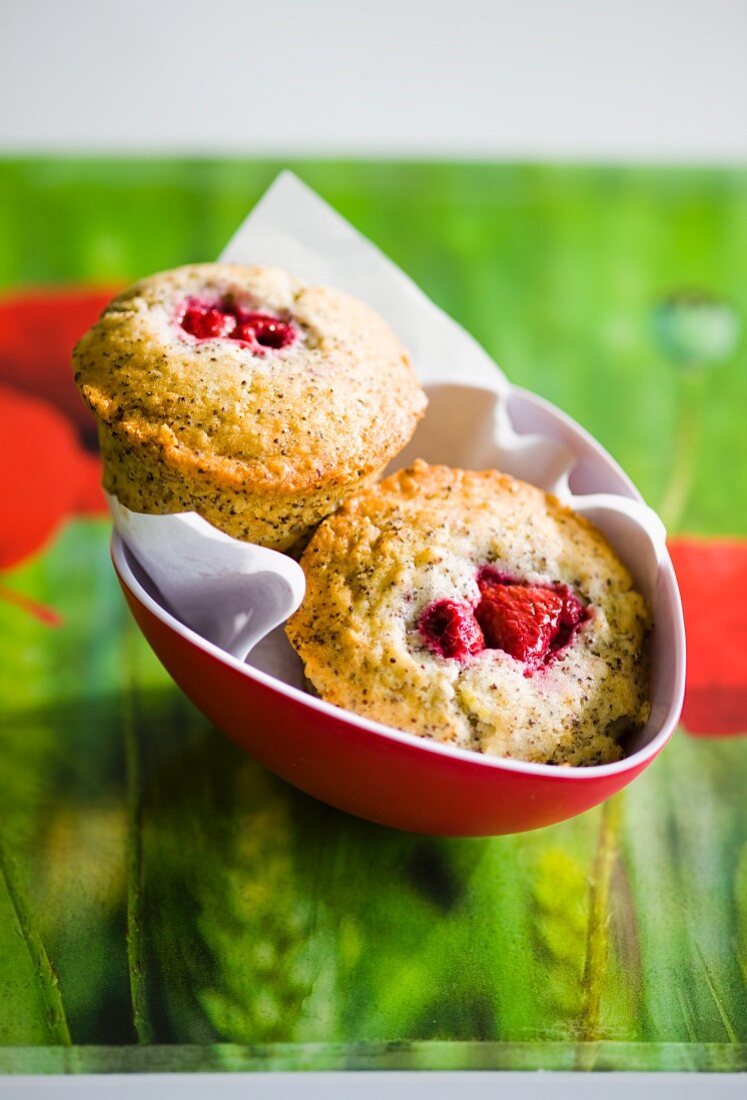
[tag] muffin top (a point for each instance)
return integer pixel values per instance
(475, 609)
(246, 374)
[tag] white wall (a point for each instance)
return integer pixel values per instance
(653, 79)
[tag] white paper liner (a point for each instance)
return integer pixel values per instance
(236, 594)
(232, 593)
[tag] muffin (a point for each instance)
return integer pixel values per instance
(475, 610)
(246, 396)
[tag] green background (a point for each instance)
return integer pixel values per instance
(164, 902)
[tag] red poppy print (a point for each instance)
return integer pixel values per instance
(713, 581)
(50, 469)
(47, 475)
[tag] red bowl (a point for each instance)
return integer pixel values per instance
(379, 773)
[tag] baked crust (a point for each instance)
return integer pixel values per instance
(422, 535)
(262, 445)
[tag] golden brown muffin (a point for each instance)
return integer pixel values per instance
(244, 395)
(476, 610)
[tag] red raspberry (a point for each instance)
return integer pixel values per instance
(450, 629)
(574, 612)
(207, 322)
(260, 331)
(522, 620)
(265, 330)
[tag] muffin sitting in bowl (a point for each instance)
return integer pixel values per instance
(475, 610)
(246, 396)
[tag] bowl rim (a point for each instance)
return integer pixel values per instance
(120, 560)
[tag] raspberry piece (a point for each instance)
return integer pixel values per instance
(245, 333)
(574, 612)
(207, 322)
(260, 331)
(522, 620)
(531, 622)
(450, 629)
(267, 331)
(571, 617)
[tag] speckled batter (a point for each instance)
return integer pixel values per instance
(261, 442)
(424, 535)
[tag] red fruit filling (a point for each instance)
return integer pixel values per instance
(265, 330)
(206, 322)
(531, 622)
(450, 629)
(224, 319)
